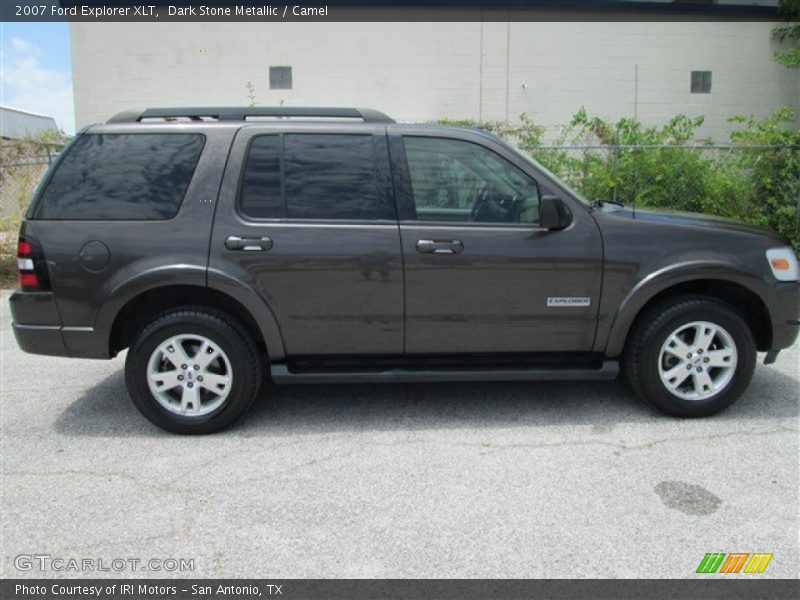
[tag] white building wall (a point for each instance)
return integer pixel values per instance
(423, 71)
(16, 123)
(494, 80)
(566, 66)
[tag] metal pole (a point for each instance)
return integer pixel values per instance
(615, 158)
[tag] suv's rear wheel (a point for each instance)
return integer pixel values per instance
(193, 371)
(691, 356)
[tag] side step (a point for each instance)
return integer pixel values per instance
(281, 374)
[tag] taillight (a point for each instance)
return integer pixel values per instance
(32, 266)
(28, 281)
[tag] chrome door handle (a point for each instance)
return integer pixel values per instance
(234, 242)
(440, 246)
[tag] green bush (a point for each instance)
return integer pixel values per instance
(22, 164)
(773, 173)
(652, 167)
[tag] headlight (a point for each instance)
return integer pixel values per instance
(783, 263)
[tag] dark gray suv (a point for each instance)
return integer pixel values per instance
(334, 245)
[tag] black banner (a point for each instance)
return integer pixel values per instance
(376, 10)
(731, 588)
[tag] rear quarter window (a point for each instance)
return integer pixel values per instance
(122, 177)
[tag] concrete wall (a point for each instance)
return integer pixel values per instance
(423, 71)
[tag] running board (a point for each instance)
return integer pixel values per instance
(282, 375)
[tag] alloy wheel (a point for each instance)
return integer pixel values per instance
(697, 360)
(189, 375)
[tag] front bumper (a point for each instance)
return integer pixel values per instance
(38, 329)
(784, 309)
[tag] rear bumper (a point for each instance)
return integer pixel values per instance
(784, 308)
(38, 329)
(40, 339)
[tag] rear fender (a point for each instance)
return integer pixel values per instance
(194, 276)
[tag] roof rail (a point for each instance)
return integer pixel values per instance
(240, 113)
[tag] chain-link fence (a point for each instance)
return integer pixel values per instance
(759, 184)
(19, 153)
(22, 165)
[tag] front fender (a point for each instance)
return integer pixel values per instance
(664, 278)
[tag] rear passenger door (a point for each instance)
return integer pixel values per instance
(306, 217)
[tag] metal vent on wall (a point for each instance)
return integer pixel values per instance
(701, 82)
(280, 78)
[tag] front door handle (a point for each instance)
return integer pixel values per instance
(440, 246)
(234, 242)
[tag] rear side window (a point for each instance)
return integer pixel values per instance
(262, 196)
(331, 177)
(325, 176)
(122, 177)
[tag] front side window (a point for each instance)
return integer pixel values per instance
(453, 180)
(122, 177)
(325, 176)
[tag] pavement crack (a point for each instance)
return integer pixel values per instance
(488, 447)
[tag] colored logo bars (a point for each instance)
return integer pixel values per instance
(734, 562)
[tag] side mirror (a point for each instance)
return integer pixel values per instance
(553, 213)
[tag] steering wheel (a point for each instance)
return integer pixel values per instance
(479, 202)
(514, 209)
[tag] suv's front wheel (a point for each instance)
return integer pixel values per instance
(193, 371)
(692, 356)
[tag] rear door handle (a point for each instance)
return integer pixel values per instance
(440, 246)
(234, 242)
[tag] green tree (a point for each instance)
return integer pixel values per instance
(789, 32)
(757, 180)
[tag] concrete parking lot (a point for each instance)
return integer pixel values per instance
(435, 480)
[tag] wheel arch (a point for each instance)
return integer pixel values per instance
(152, 301)
(735, 290)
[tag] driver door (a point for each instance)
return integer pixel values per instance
(481, 276)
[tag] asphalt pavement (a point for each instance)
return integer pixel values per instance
(470, 480)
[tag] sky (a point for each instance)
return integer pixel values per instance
(35, 70)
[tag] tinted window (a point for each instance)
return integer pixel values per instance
(454, 180)
(261, 195)
(330, 176)
(122, 176)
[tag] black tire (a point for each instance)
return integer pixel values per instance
(643, 348)
(246, 363)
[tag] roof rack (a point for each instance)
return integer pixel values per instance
(240, 113)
